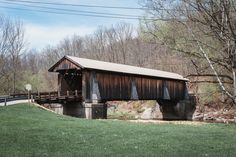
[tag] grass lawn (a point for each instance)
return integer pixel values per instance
(29, 131)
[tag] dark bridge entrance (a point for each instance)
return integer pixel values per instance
(70, 80)
(96, 82)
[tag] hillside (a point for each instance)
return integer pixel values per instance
(29, 131)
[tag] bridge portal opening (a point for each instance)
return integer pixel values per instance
(70, 80)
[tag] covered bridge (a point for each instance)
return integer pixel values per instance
(97, 82)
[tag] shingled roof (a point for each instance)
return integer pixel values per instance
(84, 63)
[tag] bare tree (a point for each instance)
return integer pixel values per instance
(17, 45)
(125, 34)
(12, 45)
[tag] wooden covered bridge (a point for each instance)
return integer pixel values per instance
(87, 84)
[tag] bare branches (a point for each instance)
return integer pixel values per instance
(207, 31)
(212, 67)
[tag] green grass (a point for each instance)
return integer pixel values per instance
(29, 131)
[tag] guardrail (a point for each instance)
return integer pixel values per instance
(6, 99)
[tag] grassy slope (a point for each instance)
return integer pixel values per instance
(29, 131)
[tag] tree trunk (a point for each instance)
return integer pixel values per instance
(234, 90)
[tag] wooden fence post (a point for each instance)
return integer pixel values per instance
(32, 98)
(5, 101)
(28, 96)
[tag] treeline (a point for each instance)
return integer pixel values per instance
(121, 43)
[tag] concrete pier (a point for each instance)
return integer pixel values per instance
(85, 110)
(74, 109)
(182, 110)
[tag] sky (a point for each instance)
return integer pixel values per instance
(43, 28)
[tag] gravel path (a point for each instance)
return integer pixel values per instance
(167, 122)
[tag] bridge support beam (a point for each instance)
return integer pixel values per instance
(85, 110)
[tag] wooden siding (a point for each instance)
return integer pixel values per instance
(65, 64)
(117, 86)
(150, 88)
(113, 87)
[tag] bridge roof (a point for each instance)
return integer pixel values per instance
(120, 68)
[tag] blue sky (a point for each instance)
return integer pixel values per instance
(44, 28)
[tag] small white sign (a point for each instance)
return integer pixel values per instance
(28, 87)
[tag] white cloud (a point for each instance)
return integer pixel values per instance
(38, 36)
